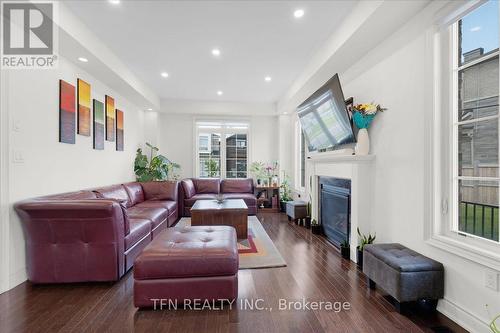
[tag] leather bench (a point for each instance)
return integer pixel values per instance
(403, 273)
(190, 263)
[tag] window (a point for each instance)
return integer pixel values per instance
(222, 150)
(300, 158)
(475, 193)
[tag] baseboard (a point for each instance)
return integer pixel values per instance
(463, 318)
(17, 278)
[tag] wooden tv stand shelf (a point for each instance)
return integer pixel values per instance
(271, 201)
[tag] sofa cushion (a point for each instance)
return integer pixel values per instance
(155, 215)
(167, 204)
(115, 192)
(190, 202)
(206, 185)
(236, 186)
(200, 251)
(135, 193)
(249, 198)
(188, 187)
(160, 190)
(139, 228)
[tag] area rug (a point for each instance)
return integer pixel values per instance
(257, 251)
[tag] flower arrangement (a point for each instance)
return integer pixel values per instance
(365, 113)
(267, 173)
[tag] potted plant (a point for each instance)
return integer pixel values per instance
(285, 192)
(309, 211)
(316, 227)
(257, 170)
(156, 168)
(363, 241)
(345, 249)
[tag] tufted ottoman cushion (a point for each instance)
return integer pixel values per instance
(188, 263)
(403, 273)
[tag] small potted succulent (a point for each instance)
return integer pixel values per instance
(308, 217)
(316, 228)
(345, 249)
(363, 241)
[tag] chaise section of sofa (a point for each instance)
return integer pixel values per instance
(193, 189)
(94, 235)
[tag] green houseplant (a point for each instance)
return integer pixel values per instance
(155, 168)
(345, 249)
(316, 227)
(363, 241)
(285, 192)
(257, 170)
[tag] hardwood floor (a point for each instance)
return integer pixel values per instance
(315, 272)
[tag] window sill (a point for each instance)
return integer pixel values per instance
(473, 253)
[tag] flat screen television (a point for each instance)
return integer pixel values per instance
(324, 118)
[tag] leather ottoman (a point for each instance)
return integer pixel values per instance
(190, 263)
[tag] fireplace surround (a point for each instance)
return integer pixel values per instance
(356, 170)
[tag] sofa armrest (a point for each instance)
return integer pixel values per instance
(73, 240)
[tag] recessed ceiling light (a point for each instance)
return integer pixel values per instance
(285, 112)
(150, 109)
(164, 74)
(298, 13)
(114, 2)
(267, 79)
(219, 93)
(216, 52)
(82, 59)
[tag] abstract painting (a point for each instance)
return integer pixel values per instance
(83, 102)
(98, 125)
(110, 118)
(67, 121)
(119, 130)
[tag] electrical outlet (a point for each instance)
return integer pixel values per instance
(491, 280)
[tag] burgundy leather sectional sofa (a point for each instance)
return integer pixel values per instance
(193, 189)
(94, 235)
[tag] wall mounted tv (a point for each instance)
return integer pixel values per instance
(324, 118)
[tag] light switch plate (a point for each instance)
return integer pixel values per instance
(491, 280)
(18, 157)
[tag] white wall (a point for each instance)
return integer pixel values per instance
(176, 138)
(52, 167)
(394, 74)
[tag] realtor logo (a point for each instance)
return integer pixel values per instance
(28, 35)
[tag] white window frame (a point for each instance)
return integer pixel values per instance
(441, 162)
(221, 127)
(298, 160)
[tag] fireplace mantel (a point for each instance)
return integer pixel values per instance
(359, 169)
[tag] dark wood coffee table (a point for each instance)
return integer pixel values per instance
(231, 212)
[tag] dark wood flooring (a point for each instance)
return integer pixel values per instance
(315, 272)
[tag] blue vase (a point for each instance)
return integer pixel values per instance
(362, 120)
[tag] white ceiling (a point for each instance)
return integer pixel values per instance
(256, 39)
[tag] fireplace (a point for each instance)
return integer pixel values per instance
(335, 208)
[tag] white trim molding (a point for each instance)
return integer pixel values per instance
(4, 181)
(462, 317)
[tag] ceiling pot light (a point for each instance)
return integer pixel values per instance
(114, 2)
(164, 74)
(267, 79)
(298, 13)
(150, 109)
(82, 59)
(216, 52)
(219, 93)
